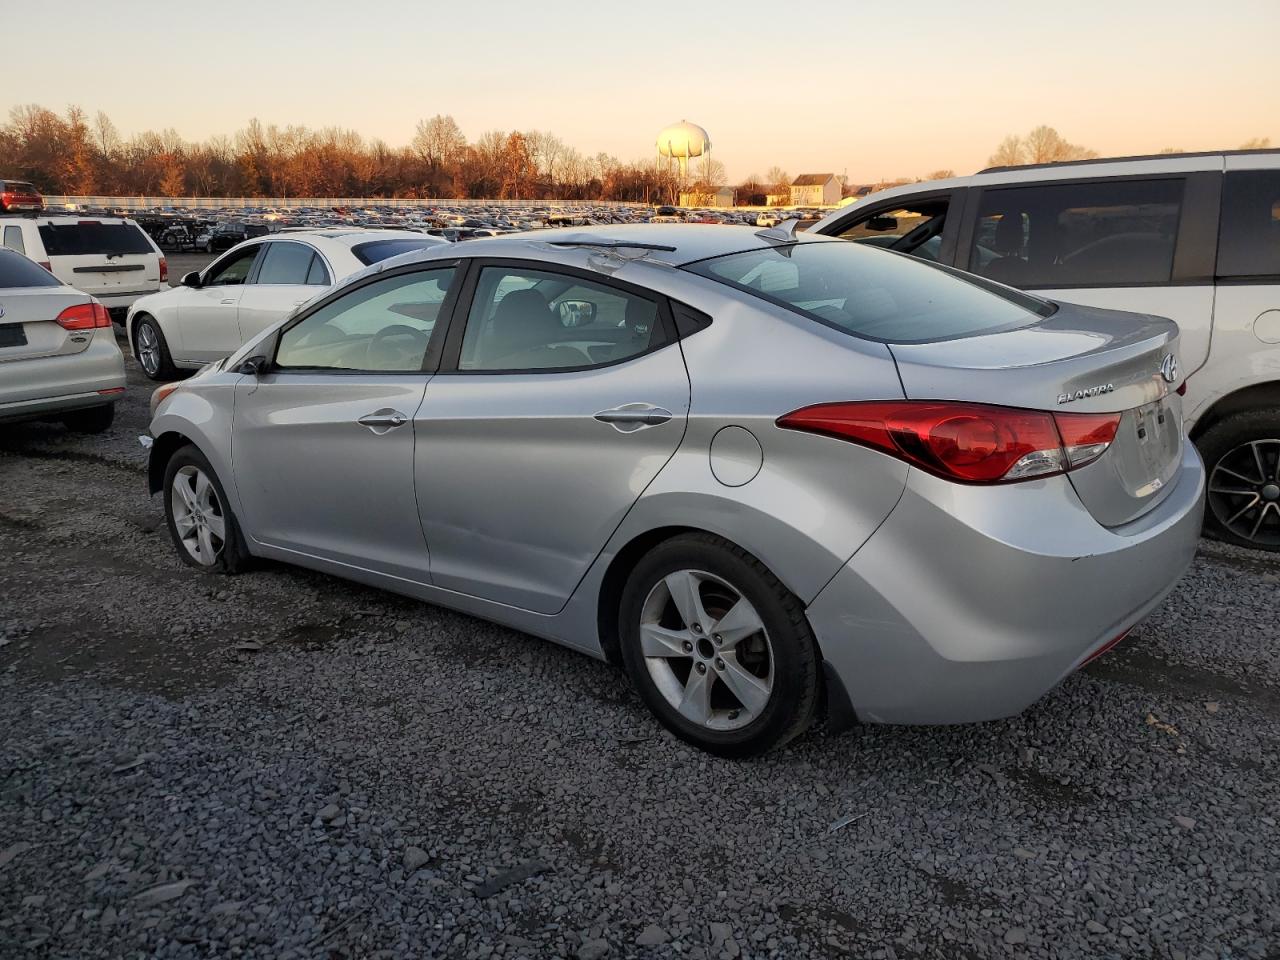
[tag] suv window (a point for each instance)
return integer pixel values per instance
(1091, 234)
(1249, 238)
(234, 270)
(534, 320)
(17, 271)
(384, 326)
(13, 239)
(93, 238)
(914, 228)
(285, 262)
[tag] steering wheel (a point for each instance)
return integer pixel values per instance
(395, 330)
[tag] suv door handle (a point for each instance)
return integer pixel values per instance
(384, 420)
(634, 416)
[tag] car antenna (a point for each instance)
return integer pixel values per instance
(785, 232)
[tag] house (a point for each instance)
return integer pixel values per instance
(719, 197)
(815, 190)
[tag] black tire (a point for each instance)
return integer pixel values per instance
(164, 368)
(93, 420)
(1232, 449)
(233, 556)
(793, 700)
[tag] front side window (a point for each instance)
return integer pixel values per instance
(234, 270)
(1099, 234)
(533, 320)
(914, 228)
(13, 239)
(384, 327)
(1249, 235)
(873, 293)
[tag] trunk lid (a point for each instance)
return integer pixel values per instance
(27, 325)
(1079, 360)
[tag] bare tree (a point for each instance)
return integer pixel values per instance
(1257, 143)
(1010, 153)
(943, 174)
(778, 182)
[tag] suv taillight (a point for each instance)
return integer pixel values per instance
(164, 270)
(84, 316)
(965, 442)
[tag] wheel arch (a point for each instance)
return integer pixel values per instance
(162, 450)
(1256, 396)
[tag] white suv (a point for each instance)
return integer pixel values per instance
(109, 258)
(1192, 237)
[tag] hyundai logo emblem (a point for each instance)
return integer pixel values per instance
(1169, 368)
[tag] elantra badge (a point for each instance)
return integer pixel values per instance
(1086, 393)
(1169, 368)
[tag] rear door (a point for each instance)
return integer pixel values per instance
(1143, 244)
(287, 275)
(208, 323)
(103, 258)
(925, 225)
(559, 400)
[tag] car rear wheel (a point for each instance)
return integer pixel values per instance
(93, 420)
(200, 522)
(718, 648)
(1242, 457)
(152, 350)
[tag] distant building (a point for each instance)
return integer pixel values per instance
(815, 190)
(777, 199)
(720, 197)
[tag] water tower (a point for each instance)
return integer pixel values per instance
(682, 142)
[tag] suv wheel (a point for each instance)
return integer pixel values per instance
(1242, 457)
(201, 524)
(718, 648)
(153, 353)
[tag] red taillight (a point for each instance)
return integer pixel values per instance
(164, 270)
(84, 316)
(966, 442)
(1114, 641)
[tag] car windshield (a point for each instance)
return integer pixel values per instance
(874, 294)
(377, 250)
(17, 271)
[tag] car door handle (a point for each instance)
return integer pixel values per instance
(381, 421)
(230, 300)
(634, 416)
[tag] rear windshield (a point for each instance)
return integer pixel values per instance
(874, 294)
(17, 271)
(92, 237)
(376, 250)
(17, 186)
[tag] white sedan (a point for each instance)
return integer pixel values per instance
(249, 288)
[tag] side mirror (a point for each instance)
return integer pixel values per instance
(254, 366)
(191, 279)
(576, 313)
(879, 224)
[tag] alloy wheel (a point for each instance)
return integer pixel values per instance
(148, 348)
(707, 650)
(197, 515)
(1244, 492)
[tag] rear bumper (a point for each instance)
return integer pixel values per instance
(125, 300)
(970, 603)
(47, 386)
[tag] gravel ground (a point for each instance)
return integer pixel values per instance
(286, 765)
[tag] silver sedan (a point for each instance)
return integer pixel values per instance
(772, 478)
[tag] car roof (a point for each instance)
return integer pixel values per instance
(687, 243)
(349, 236)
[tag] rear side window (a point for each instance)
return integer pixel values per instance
(285, 263)
(377, 250)
(874, 294)
(17, 271)
(1111, 233)
(1249, 238)
(13, 239)
(93, 238)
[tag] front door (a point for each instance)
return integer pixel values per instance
(324, 439)
(561, 400)
(207, 325)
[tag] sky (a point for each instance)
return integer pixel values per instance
(869, 89)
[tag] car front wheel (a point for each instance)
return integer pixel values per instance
(718, 648)
(200, 522)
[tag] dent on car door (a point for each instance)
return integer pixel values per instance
(1137, 244)
(557, 404)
